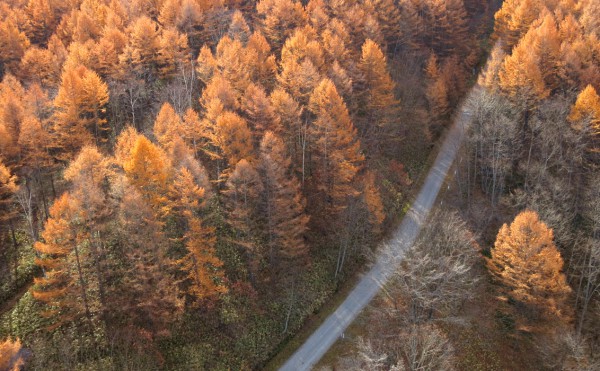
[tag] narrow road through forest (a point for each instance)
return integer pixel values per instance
(389, 255)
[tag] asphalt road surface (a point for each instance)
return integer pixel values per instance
(389, 256)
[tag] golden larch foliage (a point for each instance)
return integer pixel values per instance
(80, 116)
(34, 141)
(11, 358)
(233, 138)
(513, 20)
(167, 126)
(520, 76)
(381, 103)
(13, 44)
(526, 260)
(204, 277)
(256, 106)
(279, 18)
(55, 288)
(283, 205)
(125, 143)
(239, 29)
(587, 106)
(337, 155)
(149, 171)
(242, 195)
(8, 188)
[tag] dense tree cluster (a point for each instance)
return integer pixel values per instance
(534, 145)
(188, 166)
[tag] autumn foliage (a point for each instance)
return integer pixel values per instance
(196, 174)
(529, 264)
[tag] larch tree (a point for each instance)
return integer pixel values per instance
(238, 29)
(343, 83)
(11, 357)
(167, 126)
(80, 111)
(90, 175)
(204, 279)
(173, 53)
(289, 114)
(107, 51)
(37, 65)
(8, 190)
(67, 287)
(283, 207)
(263, 65)
(336, 153)
(148, 299)
(12, 113)
(520, 76)
(220, 89)
(585, 116)
(303, 45)
(13, 44)
(149, 170)
(389, 17)
(299, 80)
(380, 103)
(232, 63)
(256, 106)
(525, 259)
(242, 195)
(513, 20)
(233, 138)
(141, 56)
(182, 156)
(40, 20)
(206, 65)
(124, 144)
(436, 93)
(488, 78)
(279, 18)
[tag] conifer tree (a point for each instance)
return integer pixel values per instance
(233, 138)
(243, 190)
(12, 113)
(67, 287)
(526, 260)
(283, 207)
(585, 116)
(13, 44)
(148, 297)
(380, 103)
(149, 170)
(256, 106)
(337, 157)
(238, 29)
(520, 76)
(279, 18)
(513, 20)
(80, 116)
(204, 278)
(262, 62)
(167, 126)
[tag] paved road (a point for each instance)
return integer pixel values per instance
(389, 256)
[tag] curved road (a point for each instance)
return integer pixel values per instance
(389, 256)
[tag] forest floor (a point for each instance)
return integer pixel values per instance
(9, 304)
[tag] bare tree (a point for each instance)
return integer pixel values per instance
(426, 347)
(493, 140)
(436, 275)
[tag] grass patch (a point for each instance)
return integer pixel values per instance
(289, 346)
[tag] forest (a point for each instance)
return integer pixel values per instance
(183, 183)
